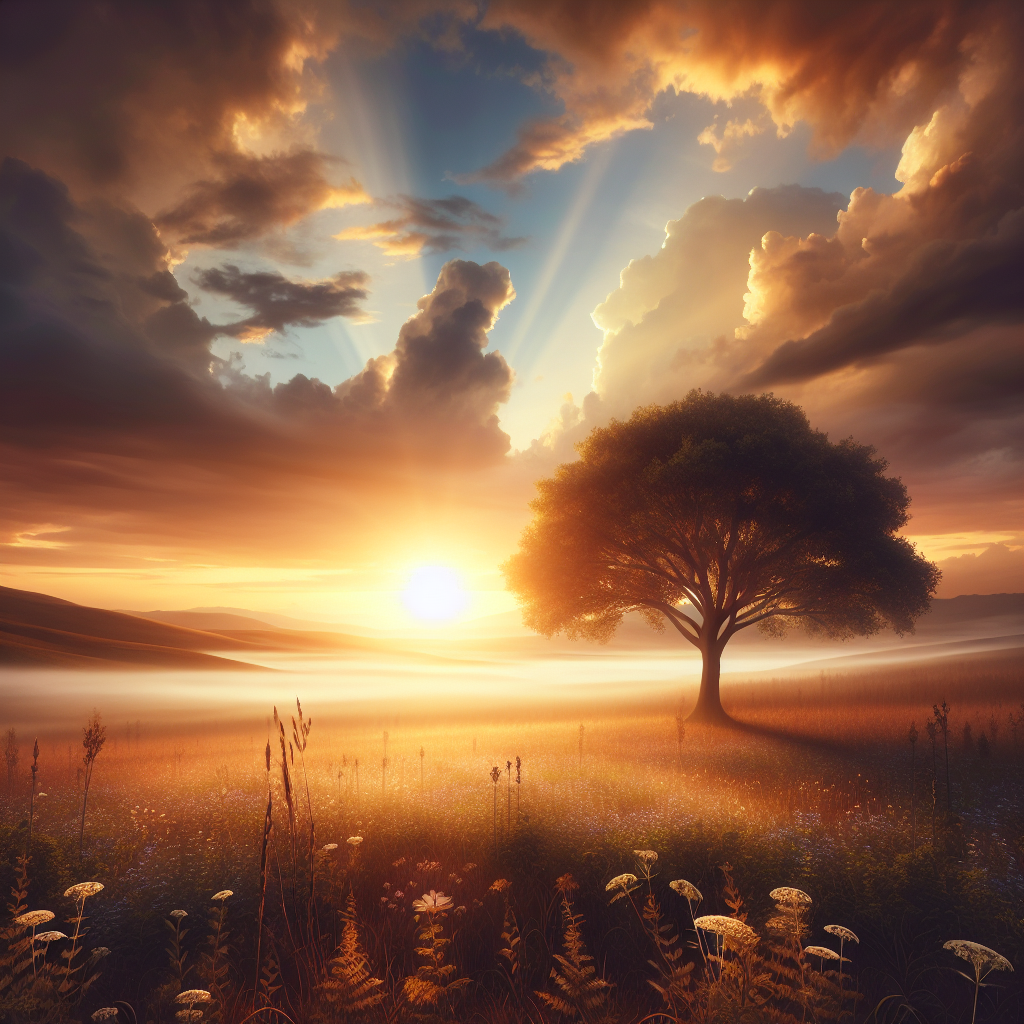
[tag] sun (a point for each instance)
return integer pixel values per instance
(435, 592)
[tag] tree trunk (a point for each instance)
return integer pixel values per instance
(709, 702)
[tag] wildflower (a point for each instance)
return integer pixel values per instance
(981, 957)
(623, 883)
(645, 857)
(566, 885)
(500, 885)
(728, 928)
(50, 936)
(105, 1013)
(842, 932)
(823, 951)
(432, 903)
(83, 890)
(329, 847)
(354, 840)
(687, 890)
(34, 918)
(466, 868)
(787, 894)
(620, 882)
(179, 914)
(193, 995)
(222, 895)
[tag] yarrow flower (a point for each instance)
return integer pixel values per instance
(330, 846)
(981, 957)
(179, 914)
(222, 895)
(83, 890)
(687, 890)
(842, 932)
(354, 840)
(34, 918)
(621, 882)
(823, 951)
(50, 936)
(728, 928)
(432, 903)
(193, 995)
(105, 1013)
(788, 895)
(645, 857)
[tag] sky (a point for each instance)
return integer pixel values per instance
(300, 298)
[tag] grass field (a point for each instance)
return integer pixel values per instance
(819, 790)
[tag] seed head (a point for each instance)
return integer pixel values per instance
(50, 936)
(982, 958)
(193, 995)
(500, 885)
(687, 890)
(34, 918)
(792, 897)
(842, 932)
(83, 890)
(354, 840)
(329, 847)
(105, 1013)
(566, 884)
(621, 882)
(823, 951)
(222, 895)
(179, 914)
(728, 927)
(646, 857)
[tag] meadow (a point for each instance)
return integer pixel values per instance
(513, 859)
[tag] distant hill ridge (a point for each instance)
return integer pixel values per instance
(42, 631)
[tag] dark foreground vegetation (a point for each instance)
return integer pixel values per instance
(532, 869)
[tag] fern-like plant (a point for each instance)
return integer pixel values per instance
(582, 992)
(351, 989)
(510, 937)
(18, 956)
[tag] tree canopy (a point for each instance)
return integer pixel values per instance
(715, 514)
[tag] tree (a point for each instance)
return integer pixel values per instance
(715, 514)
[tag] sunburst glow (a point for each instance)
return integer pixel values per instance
(435, 592)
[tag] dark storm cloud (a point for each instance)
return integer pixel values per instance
(278, 303)
(142, 101)
(434, 226)
(951, 289)
(112, 406)
(253, 195)
(847, 70)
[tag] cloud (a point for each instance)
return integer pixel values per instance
(669, 325)
(950, 289)
(196, 111)
(850, 71)
(117, 425)
(279, 303)
(997, 569)
(895, 320)
(433, 226)
(254, 195)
